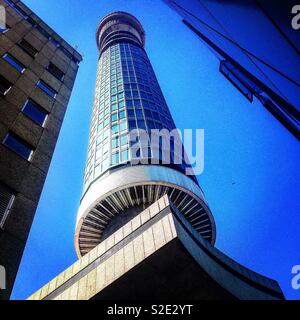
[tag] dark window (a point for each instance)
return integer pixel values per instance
(135, 94)
(148, 113)
(130, 113)
(28, 48)
(35, 112)
(122, 115)
(18, 145)
(7, 197)
(14, 62)
(141, 124)
(47, 89)
(55, 71)
(137, 103)
(132, 124)
(5, 86)
(150, 124)
(129, 103)
(139, 113)
(155, 115)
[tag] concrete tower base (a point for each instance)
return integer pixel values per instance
(158, 255)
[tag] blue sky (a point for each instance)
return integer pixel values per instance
(251, 177)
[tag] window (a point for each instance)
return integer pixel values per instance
(129, 103)
(101, 115)
(14, 62)
(122, 115)
(18, 145)
(55, 71)
(124, 140)
(28, 48)
(121, 104)
(114, 117)
(155, 115)
(148, 113)
(139, 113)
(7, 197)
(130, 113)
(106, 122)
(35, 112)
(100, 126)
(123, 126)
(5, 86)
(128, 95)
(115, 159)
(135, 94)
(105, 148)
(99, 154)
(105, 134)
(132, 124)
(125, 155)
(141, 124)
(115, 129)
(137, 103)
(115, 142)
(105, 164)
(47, 89)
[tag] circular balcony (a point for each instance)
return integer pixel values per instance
(135, 187)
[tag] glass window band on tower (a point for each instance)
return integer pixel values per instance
(128, 97)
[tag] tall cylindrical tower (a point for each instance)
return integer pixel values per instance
(128, 97)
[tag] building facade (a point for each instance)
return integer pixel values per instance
(249, 56)
(144, 230)
(37, 73)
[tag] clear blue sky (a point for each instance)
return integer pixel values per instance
(251, 177)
